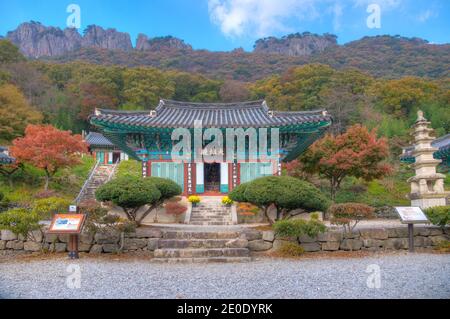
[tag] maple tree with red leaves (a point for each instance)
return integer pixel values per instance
(357, 152)
(48, 148)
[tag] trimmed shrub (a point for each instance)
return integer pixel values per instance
(290, 249)
(349, 215)
(285, 193)
(167, 187)
(20, 221)
(298, 227)
(130, 193)
(439, 216)
(98, 219)
(45, 208)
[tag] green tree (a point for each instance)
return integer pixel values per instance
(15, 113)
(132, 194)
(9, 53)
(286, 194)
(357, 152)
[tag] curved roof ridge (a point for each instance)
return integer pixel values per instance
(311, 112)
(205, 105)
(121, 112)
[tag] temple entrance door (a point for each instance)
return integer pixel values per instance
(212, 177)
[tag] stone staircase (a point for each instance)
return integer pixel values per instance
(211, 212)
(180, 246)
(99, 176)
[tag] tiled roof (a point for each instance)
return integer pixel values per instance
(6, 159)
(97, 139)
(442, 143)
(174, 114)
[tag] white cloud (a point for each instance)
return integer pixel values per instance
(259, 17)
(384, 4)
(424, 16)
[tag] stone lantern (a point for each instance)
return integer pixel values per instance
(427, 187)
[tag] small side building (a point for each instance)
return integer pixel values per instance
(103, 150)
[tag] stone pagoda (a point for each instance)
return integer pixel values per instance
(427, 187)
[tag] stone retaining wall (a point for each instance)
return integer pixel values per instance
(144, 239)
(147, 239)
(364, 239)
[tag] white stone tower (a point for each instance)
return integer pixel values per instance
(427, 187)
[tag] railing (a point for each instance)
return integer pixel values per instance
(113, 170)
(86, 182)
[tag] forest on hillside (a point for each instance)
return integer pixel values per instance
(65, 94)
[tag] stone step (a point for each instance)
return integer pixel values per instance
(200, 235)
(193, 243)
(202, 260)
(201, 253)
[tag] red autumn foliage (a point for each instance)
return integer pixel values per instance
(357, 152)
(350, 214)
(174, 208)
(48, 148)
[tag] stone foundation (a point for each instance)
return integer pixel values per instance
(364, 239)
(150, 239)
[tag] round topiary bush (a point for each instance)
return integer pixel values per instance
(439, 215)
(284, 192)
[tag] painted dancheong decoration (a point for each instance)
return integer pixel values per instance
(146, 136)
(427, 186)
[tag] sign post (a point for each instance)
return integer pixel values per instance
(411, 216)
(68, 224)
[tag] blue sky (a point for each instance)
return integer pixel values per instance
(228, 24)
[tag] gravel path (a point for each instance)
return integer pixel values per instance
(402, 276)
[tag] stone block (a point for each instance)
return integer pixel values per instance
(311, 247)
(259, 245)
(278, 243)
(424, 231)
(58, 247)
(64, 238)
(152, 244)
(330, 236)
(50, 238)
(436, 240)
(435, 231)
(107, 238)
(8, 235)
(307, 239)
(84, 248)
(134, 243)
(252, 235)
(32, 246)
(396, 243)
(86, 238)
(351, 244)
(237, 243)
(110, 248)
(374, 233)
(148, 232)
(370, 243)
(353, 235)
(96, 249)
(330, 245)
(36, 236)
(15, 244)
(268, 235)
(2, 244)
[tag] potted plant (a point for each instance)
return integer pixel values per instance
(227, 201)
(194, 200)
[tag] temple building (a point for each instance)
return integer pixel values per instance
(146, 136)
(103, 150)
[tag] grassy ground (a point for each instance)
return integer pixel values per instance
(30, 181)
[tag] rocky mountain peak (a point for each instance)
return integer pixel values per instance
(297, 44)
(143, 43)
(36, 40)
